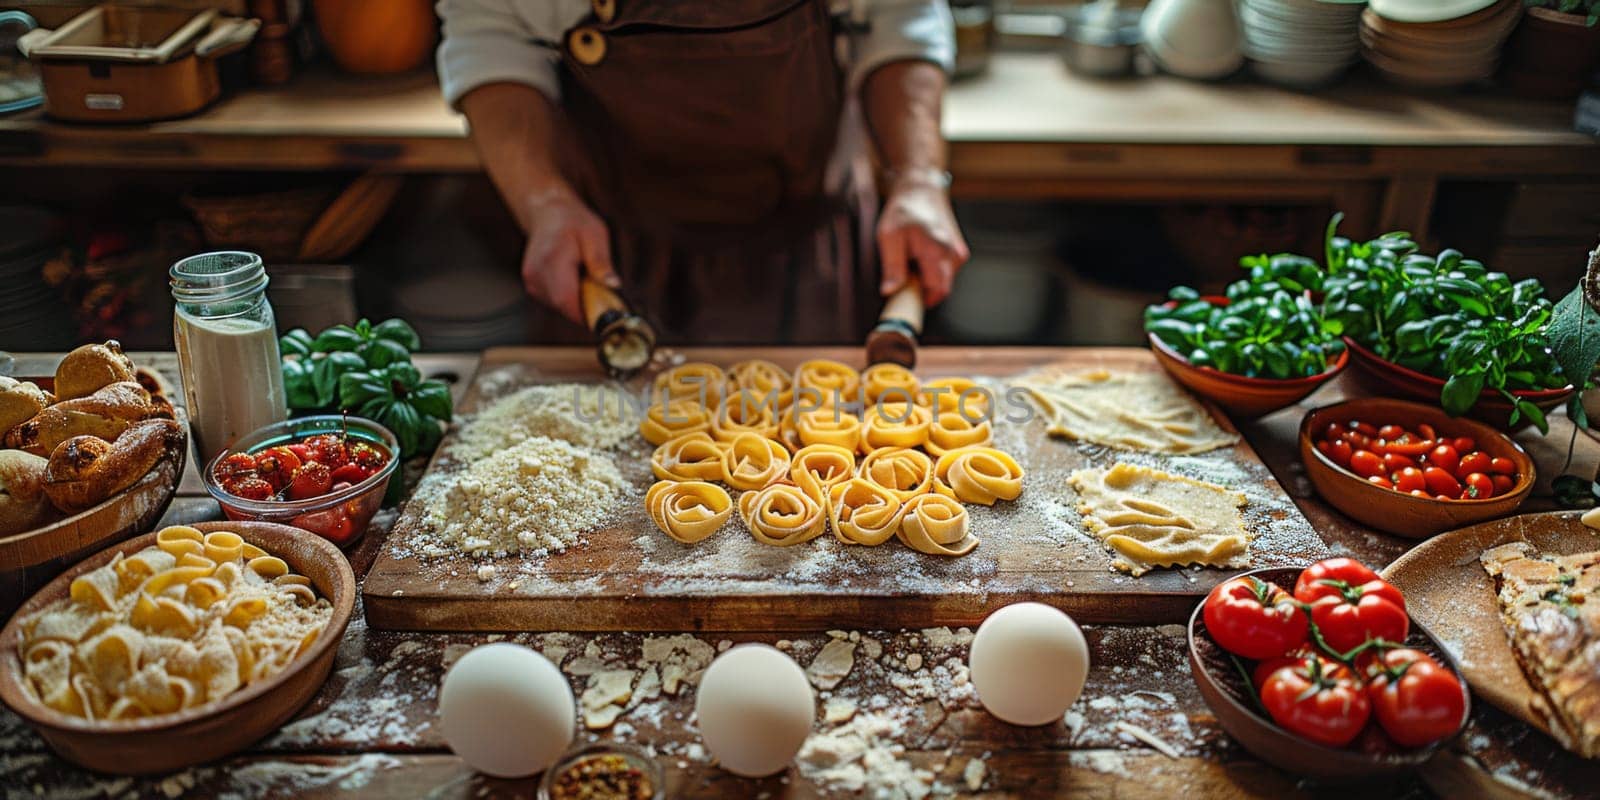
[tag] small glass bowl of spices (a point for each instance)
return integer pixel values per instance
(604, 771)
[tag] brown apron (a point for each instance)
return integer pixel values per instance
(702, 130)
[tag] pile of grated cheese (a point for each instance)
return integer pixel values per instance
(538, 496)
(597, 417)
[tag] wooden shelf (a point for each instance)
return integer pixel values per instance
(324, 120)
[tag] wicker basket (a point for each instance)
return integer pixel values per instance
(271, 224)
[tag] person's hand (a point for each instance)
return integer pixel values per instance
(918, 226)
(565, 240)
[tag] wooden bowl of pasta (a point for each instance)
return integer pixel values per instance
(126, 743)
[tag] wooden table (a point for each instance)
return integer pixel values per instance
(370, 729)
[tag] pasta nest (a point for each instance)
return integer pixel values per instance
(744, 412)
(832, 426)
(690, 457)
(782, 515)
(760, 376)
(752, 461)
(894, 424)
(936, 525)
(670, 419)
(978, 475)
(962, 395)
(862, 512)
(893, 380)
(688, 511)
(951, 430)
(906, 473)
(696, 381)
(836, 382)
(817, 468)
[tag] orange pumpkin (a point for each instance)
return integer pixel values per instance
(377, 37)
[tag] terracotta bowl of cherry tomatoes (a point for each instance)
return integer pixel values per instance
(1410, 469)
(1322, 672)
(325, 474)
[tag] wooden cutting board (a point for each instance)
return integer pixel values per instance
(630, 576)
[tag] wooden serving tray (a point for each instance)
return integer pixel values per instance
(629, 576)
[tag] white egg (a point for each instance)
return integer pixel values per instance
(506, 710)
(1028, 663)
(755, 708)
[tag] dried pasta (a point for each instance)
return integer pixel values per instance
(906, 473)
(669, 420)
(744, 412)
(862, 512)
(961, 395)
(951, 430)
(833, 426)
(979, 475)
(696, 381)
(893, 424)
(690, 457)
(752, 461)
(782, 515)
(688, 511)
(817, 468)
(890, 382)
(936, 525)
(760, 376)
(182, 623)
(836, 382)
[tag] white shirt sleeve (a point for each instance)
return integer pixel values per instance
(488, 41)
(902, 30)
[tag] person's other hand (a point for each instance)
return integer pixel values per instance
(565, 239)
(917, 225)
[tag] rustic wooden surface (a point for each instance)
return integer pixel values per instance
(627, 576)
(370, 731)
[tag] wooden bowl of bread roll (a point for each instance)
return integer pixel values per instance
(88, 456)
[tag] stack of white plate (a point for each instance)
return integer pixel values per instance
(1301, 43)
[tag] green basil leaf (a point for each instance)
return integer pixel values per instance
(400, 332)
(1574, 335)
(296, 342)
(1534, 414)
(356, 389)
(325, 375)
(339, 338)
(433, 399)
(383, 352)
(404, 374)
(403, 421)
(1461, 392)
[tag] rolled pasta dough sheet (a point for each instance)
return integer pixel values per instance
(1128, 410)
(1153, 519)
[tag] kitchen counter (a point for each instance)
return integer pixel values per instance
(370, 729)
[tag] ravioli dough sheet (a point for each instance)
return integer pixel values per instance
(1129, 410)
(1155, 519)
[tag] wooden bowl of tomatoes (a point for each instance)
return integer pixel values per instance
(1410, 469)
(1322, 673)
(326, 474)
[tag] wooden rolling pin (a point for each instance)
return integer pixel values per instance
(894, 339)
(624, 341)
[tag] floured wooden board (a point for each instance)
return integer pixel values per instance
(627, 575)
(1448, 591)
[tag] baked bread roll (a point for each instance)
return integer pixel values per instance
(90, 368)
(106, 414)
(23, 504)
(19, 402)
(85, 470)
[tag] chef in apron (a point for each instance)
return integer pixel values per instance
(707, 155)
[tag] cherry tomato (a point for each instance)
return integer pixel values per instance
(1475, 461)
(1416, 699)
(1379, 480)
(1410, 480)
(1427, 431)
(1391, 432)
(349, 474)
(1254, 619)
(1478, 487)
(329, 449)
(1366, 463)
(236, 465)
(301, 450)
(311, 480)
(1504, 466)
(1463, 444)
(1408, 446)
(1339, 452)
(1358, 440)
(370, 458)
(277, 465)
(1394, 462)
(1420, 493)
(1351, 604)
(1502, 483)
(1444, 457)
(1333, 433)
(1364, 428)
(250, 488)
(1317, 699)
(1446, 497)
(1442, 482)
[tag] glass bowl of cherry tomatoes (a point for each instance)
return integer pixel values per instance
(325, 474)
(1410, 469)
